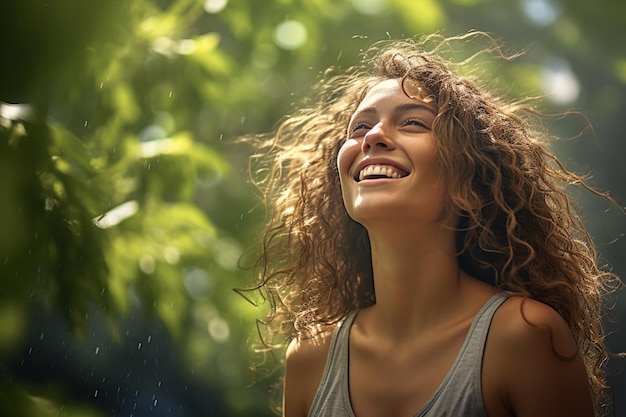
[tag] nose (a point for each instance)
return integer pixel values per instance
(376, 138)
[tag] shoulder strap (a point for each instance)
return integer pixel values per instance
(332, 394)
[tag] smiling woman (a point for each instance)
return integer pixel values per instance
(390, 152)
(422, 256)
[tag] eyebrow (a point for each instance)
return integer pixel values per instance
(401, 108)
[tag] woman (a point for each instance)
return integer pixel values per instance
(422, 252)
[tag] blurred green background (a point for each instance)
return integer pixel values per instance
(125, 196)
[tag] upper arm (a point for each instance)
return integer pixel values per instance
(305, 360)
(534, 358)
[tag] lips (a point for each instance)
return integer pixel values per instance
(377, 170)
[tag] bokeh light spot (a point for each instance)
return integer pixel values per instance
(370, 7)
(540, 12)
(147, 264)
(559, 83)
(290, 34)
(214, 6)
(219, 329)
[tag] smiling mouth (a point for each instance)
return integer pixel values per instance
(372, 172)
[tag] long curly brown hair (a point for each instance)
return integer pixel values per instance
(519, 228)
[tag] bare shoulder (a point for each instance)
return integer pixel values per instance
(305, 360)
(306, 352)
(532, 365)
(523, 323)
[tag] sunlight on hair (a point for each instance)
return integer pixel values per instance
(290, 34)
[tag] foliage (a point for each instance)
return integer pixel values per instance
(126, 204)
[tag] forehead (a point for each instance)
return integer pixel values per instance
(391, 91)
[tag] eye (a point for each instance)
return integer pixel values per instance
(415, 122)
(359, 126)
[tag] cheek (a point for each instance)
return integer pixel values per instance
(346, 156)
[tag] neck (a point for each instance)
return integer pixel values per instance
(417, 278)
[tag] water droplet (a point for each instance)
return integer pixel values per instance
(95, 394)
(97, 350)
(139, 346)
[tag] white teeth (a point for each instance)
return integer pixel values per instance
(377, 170)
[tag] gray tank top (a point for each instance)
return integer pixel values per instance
(460, 393)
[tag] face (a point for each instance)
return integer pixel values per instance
(387, 165)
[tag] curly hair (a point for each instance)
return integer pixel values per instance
(519, 228)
